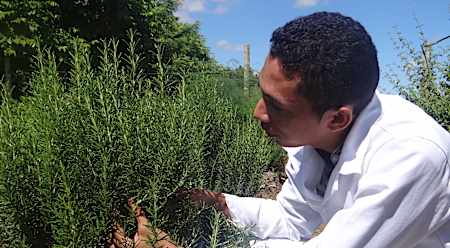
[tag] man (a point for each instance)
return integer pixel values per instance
(374, 169)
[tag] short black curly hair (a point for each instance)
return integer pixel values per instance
(333, 56)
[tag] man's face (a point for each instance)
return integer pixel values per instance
(285, 116)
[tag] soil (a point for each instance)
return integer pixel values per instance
(273, 179)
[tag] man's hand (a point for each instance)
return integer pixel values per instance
(145, 235)
(205, 198)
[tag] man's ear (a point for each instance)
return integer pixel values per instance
(338, 119)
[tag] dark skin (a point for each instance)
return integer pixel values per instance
(287, 118)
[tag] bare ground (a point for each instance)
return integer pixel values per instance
(273, 179)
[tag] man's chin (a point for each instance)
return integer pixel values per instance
(283, 143)
(279, 141)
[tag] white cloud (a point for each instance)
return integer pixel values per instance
(188, 7)
(220, 6)
(220, 9)
(194, 5)
(306, 3)
(227, 46)
(184, 16)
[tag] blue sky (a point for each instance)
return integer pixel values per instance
(227, 24)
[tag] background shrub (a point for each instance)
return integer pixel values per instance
(25, 24)
(427, 75)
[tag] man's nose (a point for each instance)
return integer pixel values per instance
(260, 112)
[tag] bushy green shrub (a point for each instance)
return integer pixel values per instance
(427, 72)
(78, 147)
(25, 24)
(232, 87)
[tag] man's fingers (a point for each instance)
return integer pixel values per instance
(206, 198)
(182, 193)
(120, 240)
(138, 213)
(191, 195)
(123, 243)
(110, 244)
(136, 209)
(144, 232)
(202, 198)
(119, 236)
(118, 230)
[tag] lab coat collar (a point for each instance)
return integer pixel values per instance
(356, 142)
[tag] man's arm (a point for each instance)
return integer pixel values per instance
(288, 217)
(262, 217)
(402, 198)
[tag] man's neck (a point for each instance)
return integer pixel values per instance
(333, 141)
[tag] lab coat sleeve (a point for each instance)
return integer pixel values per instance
(401, 198)
(289, 217)
(276, 243)
(261, 217)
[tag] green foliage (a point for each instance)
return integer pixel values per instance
(427, 71)
(223, 233)
(22, 22)
(55, 24)
(79, 146)
(232, 87)
(23, 25)
(10, 233)
(153, 21)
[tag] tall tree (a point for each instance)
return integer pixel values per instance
(54, 24)
(22, 25)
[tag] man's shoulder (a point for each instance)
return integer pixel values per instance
(392, 126)
(403, 122)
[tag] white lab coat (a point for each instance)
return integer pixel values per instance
(390, 187)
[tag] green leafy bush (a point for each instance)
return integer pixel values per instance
(78, 147)
(427, 72)
(231, 86)
(25, 24)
